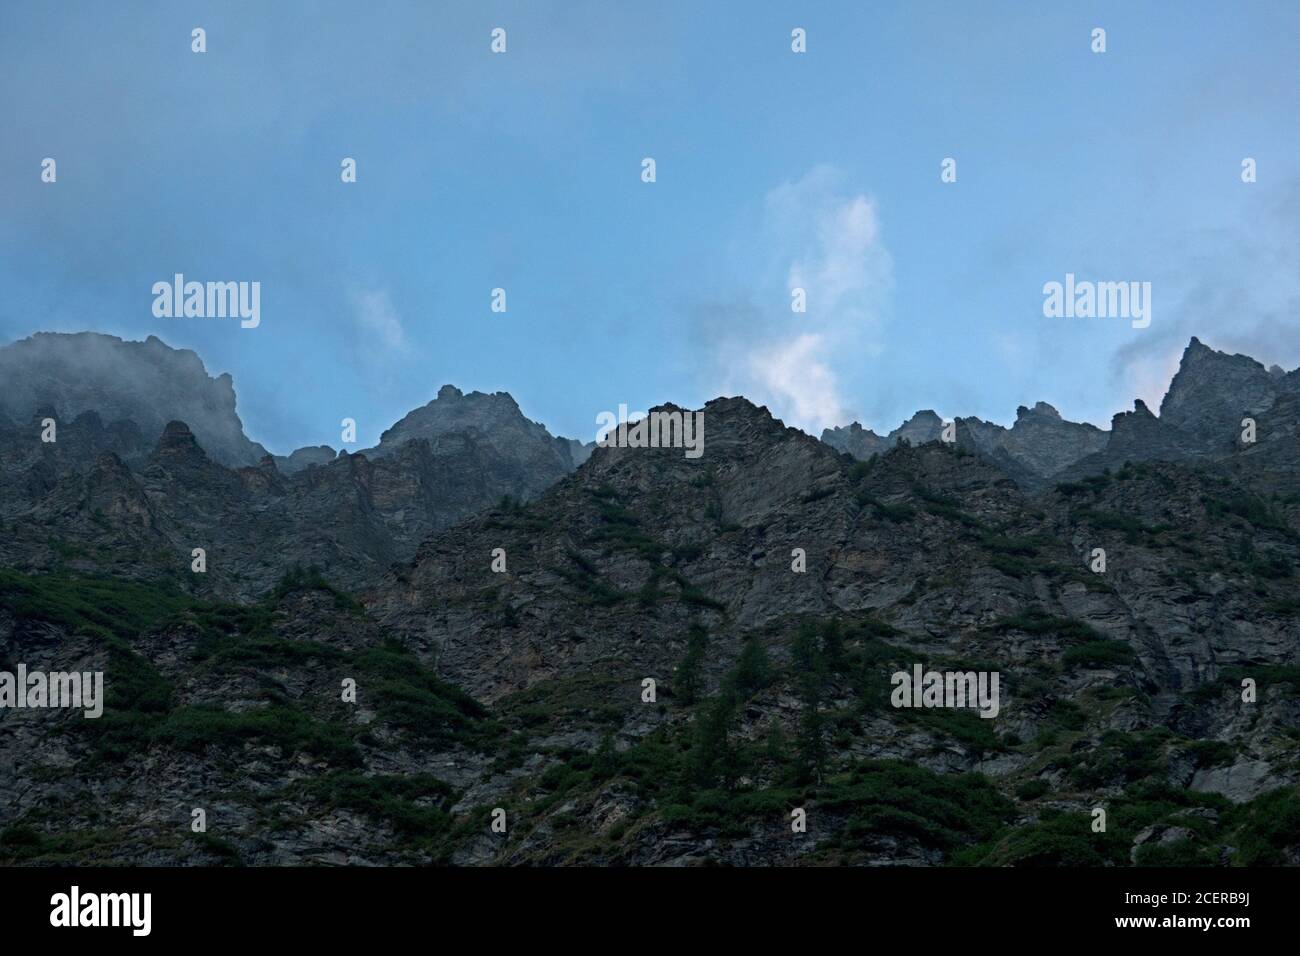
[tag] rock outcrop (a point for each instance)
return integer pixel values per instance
(303, 458)
(650, 661)
(1201, 417)
(146, 383)
(1212, 391)
(495, 423)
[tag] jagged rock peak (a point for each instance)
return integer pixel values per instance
(177, 440)
(852, 428)
(1040, 409)
(924, 426)
(108, 463)
(1212, 390)
(490, 428)
(148, 383)
(855, 440)
(739, 415)
(178, 443)
(303, 458)
(844, 431)
(177, 433)
(924, 416)
(456, 411)
(729, 405)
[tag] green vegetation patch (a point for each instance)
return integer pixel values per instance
(197, 727)
(1039, 622)
(1098, 655)
(140, 709)
(414, 806)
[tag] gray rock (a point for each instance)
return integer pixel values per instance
(1243, 781)
(147, 383)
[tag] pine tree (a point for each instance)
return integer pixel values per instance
(714, 757)
(605, 762)
(810, 670)
(753, 671)
(833, 644)
(689, 679)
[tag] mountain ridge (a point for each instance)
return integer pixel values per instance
(653, 659)
(66, 374)
(1202, 409)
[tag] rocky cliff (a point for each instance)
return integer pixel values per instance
(146, 383)
(657, 660)
(1201, 417)
(1212, 392)
(496, 423)
(353, 513)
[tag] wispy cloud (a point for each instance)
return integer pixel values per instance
(799, 380)
(823, 237)
(1236, 288)
(833, 240)
(379, 327)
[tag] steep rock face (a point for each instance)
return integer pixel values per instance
(755, 472)
(1139, 433)
(107, 495)
(1211, 393)
(147, 383)
(579, 451)
(31, 467)
(206, 486)
(1138, 436)
(354, 515)
(932, 550)
(769, 589)
(306, 457)
(862, 443)
(1200, 418)
(726, 527)
(985, 438)
(855, 440)
(924, 426)
(1038, 445)
(1045, 444)
(1270, 466)
(494, 421)
(236, 720)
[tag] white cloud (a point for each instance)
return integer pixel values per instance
(820, 236)
(798, 382)
(1235, 287)
(379, 325)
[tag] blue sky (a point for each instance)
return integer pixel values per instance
(522, 171)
